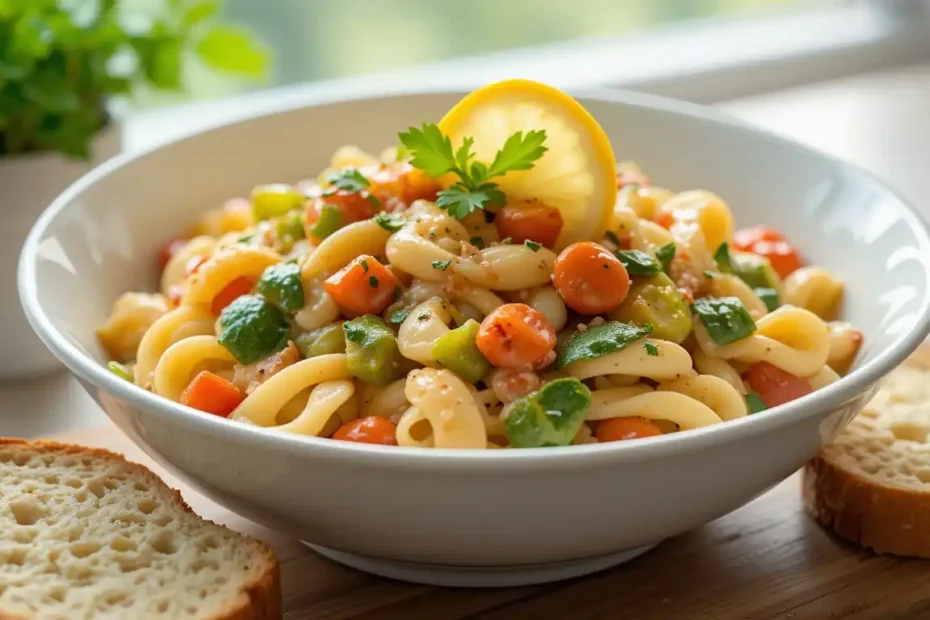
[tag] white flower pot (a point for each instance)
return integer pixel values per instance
(28, 184)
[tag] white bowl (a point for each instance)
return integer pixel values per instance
(478, 517)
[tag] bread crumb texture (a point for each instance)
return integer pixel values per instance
(888, 440)
(86, 535)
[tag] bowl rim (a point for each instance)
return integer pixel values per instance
(822, 400)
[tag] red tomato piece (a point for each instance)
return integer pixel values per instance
(775, 386)
(771, 244)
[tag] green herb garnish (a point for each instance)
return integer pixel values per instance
(372, 280)
(348, 180)
(280, 284)
(599, 341)
(532, 245)
(665, 254)
(755, 403)
(432, 153)
(251, 328)
(390, 223)
(769, 297)
(398, 316)
(726, 319)
(651, 349)
(639, 263)
(722, 256)
(442, 265)
(478, 242)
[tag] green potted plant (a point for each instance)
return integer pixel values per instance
(63, 66)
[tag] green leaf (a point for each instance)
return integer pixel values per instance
(441, 265)
(722, 256)
(726, 319)
(755, 403)
(46, 89)
(430, 151)
(280, 284)
(200, 11)
(463, 153)
(162, 63)
(665, 254)
(600, 340)
(532, 245)
(519, 152)
(348, 180)
(252, 329)
(459, 201)
(651, 349)
(478, 242)
(769, 297)
(229, 48)
(639, 263)
(495, 196)
(477, 175)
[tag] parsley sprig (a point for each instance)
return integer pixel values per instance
(432, 152)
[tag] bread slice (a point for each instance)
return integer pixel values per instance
(872, 484)
(85, 534)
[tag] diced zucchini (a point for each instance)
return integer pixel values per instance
(323, 341)
(550, 416)
(656, 301)
(371, 350)
(270, 201)
(458, 352)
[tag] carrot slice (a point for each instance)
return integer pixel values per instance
(212, 393)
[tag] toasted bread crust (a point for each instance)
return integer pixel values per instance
(257, 600)
(882, 518)
(871, 511)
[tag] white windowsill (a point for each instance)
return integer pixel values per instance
(709, 61)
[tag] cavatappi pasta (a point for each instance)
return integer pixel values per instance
(353, 306)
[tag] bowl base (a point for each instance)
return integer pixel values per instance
(479, 577)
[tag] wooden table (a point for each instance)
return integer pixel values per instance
(767, 560)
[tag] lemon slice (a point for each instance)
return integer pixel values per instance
(577, 175)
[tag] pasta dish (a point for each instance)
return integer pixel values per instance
(497, 280)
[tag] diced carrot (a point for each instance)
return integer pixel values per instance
(620, 429)
(528, 221)
(589, 278)
(231, 292)
(213, 394)
(364, 286)
(401, 181)
(665, 219)
(516, 336)
(372, 429)
(170, 249)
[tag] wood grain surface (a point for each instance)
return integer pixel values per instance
(765, 561)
